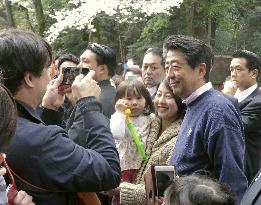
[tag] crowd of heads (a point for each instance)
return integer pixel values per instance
(198, 189)
(183, 65)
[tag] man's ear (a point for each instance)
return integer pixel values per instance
(28, 80)
(202, 70)
(254, 73)
(103, 69)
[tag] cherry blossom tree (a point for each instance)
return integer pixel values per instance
(84, 12)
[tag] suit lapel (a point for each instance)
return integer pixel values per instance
(248, 99)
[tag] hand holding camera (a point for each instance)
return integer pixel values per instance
(85, 86)
(69, 75)
(52, 99)
(157, 179)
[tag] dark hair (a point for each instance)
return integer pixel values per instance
(135, 70)
(128, 87)
(22, 52)
(8, 117)
(181, 106)
(252, 60)
(67, 57)
(157, 52)
(104, 55)
(196, 190)
(195, 51)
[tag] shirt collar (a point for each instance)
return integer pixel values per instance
(241, 95)
(23, 107)
(197, 93)
(152, 90)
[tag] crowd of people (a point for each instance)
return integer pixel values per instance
(82, 144)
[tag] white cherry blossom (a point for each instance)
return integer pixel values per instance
(82, 16)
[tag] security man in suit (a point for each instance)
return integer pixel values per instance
(153, 71)
(245, 67)
(253, 193)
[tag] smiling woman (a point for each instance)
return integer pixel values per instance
(161, 140)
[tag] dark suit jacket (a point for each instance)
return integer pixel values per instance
(253, 193)
(250, 109)
(107, 97)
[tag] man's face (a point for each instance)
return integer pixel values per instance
(67, 64)
(241, 75)
(41, 84)
(152, 70)
(183, 79)
(88, 60)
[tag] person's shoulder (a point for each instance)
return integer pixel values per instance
(36, 130)
(153, 118)
(218, 100)
(257, 95)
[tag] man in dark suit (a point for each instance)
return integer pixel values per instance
(245, 67)
(153, 71)
(253, 193)
(102, 60)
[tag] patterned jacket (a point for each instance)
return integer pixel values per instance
(159, 150)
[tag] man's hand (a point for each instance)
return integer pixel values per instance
(22, 198)
(158, 201)
(230, 88)
(52, 99)
(85, 86)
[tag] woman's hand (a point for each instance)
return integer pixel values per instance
(22, 198)
(2, 171)
(158, 201)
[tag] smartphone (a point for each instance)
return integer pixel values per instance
(164, 176)
(69, 74)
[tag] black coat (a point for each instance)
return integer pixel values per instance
(45, 156)
(250, 109)
(253, 193)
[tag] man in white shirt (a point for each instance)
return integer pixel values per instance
(245, 67)
(153, 71)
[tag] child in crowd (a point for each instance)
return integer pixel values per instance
(131, 94)
(197, 189)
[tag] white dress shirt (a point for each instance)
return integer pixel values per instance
(241, 95)
(152, 90)
(197, 93)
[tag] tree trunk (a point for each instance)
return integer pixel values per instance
(39, 16)
(25, 10)
(9, 14)
(213, 32)
(190, 17)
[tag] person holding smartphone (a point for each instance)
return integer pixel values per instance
(53, 167)
(102, 59)
(160, 142)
